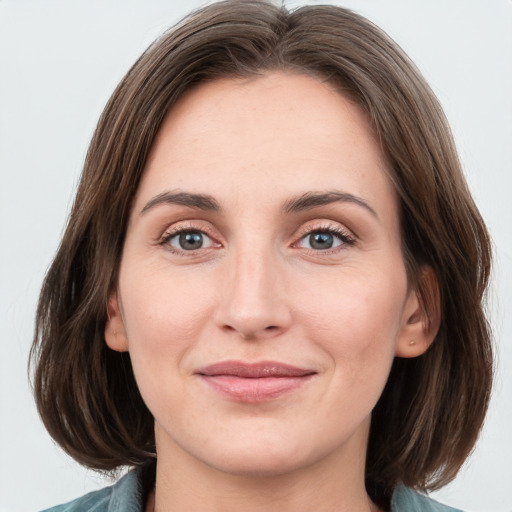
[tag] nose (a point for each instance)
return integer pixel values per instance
(253, 300)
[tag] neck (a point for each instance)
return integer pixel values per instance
(184, 483)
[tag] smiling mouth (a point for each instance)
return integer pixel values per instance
(254, 382)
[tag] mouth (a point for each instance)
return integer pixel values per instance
(254, 382)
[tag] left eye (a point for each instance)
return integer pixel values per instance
(322, 240)
(190, 240)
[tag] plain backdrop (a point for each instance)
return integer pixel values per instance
(60, 61)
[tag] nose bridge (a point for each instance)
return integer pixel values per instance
(252, 274)
(253, 302)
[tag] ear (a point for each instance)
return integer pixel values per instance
(422, 316)
(115, 334)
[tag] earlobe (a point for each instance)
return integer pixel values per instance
(422, 316)
(115, 334)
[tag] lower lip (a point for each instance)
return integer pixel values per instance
(254, 390)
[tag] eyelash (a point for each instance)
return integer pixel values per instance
(336, 231)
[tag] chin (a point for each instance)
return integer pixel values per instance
(254, 455)
(261, 463)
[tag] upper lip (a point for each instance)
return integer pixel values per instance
(254, 370)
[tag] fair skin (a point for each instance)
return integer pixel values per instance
(293, 258)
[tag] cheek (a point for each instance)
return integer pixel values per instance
(163, 312)
(164, 316)
(356, 320)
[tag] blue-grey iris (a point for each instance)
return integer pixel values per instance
(191, 240)
(321, 240)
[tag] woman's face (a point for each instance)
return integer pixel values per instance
(262, 292)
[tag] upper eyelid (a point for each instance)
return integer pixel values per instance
(323, 224)
(188, 225)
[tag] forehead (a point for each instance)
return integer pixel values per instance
(242, 138)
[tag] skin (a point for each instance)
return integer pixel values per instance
(258, 290)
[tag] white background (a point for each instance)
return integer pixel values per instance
(60, 61)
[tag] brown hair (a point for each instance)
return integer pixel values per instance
(429, 415)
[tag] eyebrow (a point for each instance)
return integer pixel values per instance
(306, 201)
(311, 200)
(198, 201)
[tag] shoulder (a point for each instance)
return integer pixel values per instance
(124, 496)
(405, 499)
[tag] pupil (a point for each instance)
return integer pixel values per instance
(321, 240)
(191, 240)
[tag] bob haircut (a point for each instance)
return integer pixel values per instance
(432, 408)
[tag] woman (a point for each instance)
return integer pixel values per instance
(269, 294)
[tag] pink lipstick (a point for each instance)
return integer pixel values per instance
(254, 382)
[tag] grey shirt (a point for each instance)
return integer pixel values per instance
(127, 495)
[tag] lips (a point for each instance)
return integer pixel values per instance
(254, 382)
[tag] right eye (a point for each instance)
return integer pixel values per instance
(188, 240)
